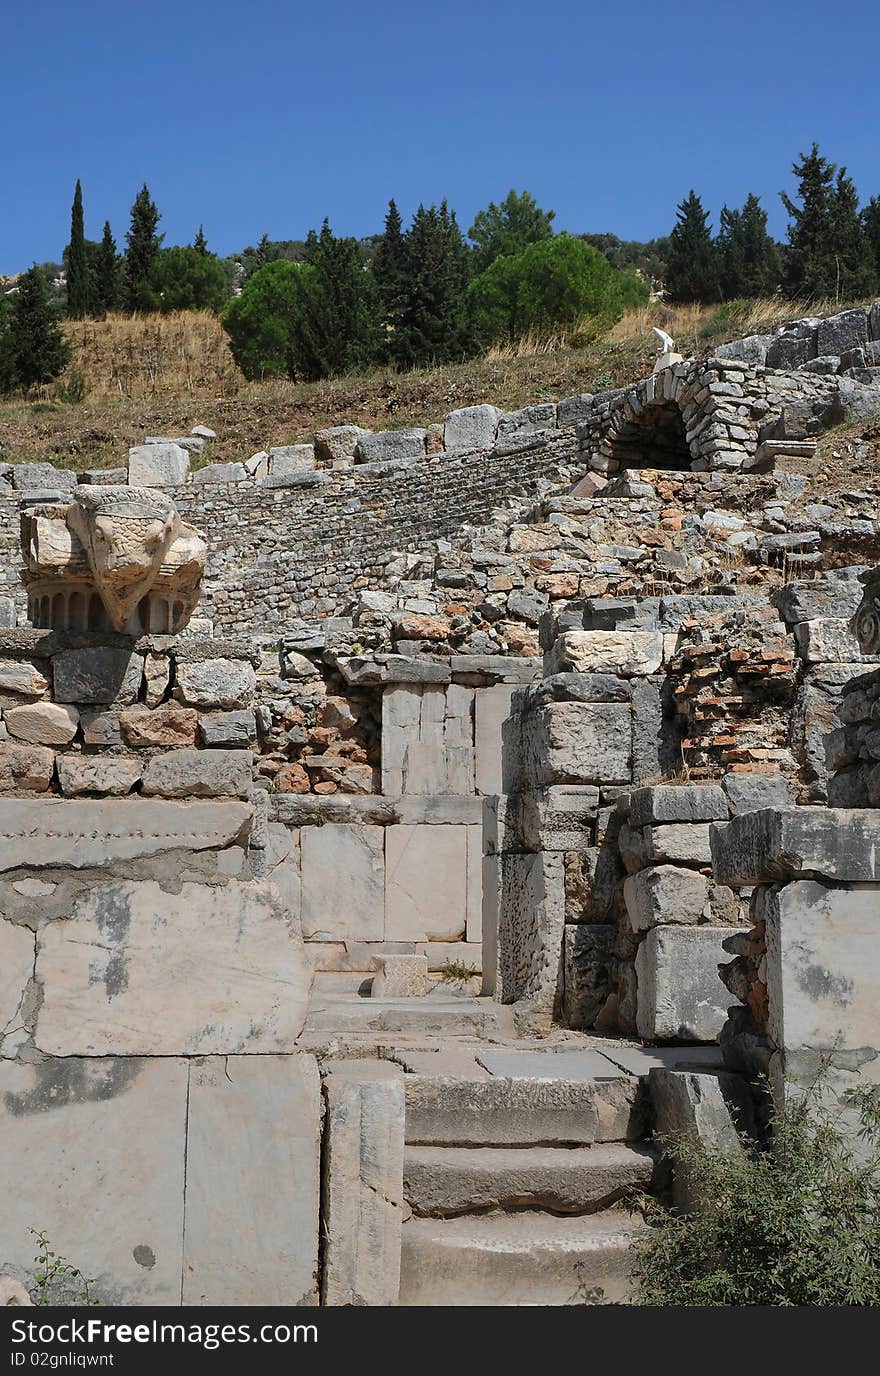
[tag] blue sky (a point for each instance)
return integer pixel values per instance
(259, 116)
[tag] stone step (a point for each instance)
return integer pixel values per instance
(503, 1112)
(440, 1180)
(341, 1012)
(526, 1258)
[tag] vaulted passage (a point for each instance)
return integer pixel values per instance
(654, 439)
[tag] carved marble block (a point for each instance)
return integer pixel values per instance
(866, 622)
(113, 558)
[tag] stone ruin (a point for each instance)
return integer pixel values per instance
(397, 829)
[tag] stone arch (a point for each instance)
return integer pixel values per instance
(651, 436)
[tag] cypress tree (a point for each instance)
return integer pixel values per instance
(856, 274)
(810, 267)
(106, 273)
(435, 322)
(79, 286)
(142, 254)
(749, 262)
(692, 267)
(200, 243)
(871, 223)
(39, 351)
(338, 310)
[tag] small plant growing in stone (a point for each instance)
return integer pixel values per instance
(56, 1279)
(794, 1221)
(457, 971)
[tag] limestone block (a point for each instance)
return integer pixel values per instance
(16, 968)
(846, 330)
(399, 976)
(22, 676)
(750, 792)
(425, 768)
(363, 1183)
(530, 928)
(228, 729)
(109, 774)
(42, 723)
(31, 475)
(157, 674)
(343, 882)
(835, 594)
(389, 445)
(574, 410)
(587, 978)
(663, 894)
(13, 1294)
(169, 724)
(216, 683)
(474, 883)
(139, 971)
(98, 674)
(220, 473)
(471, 427)
(25, 767)
(401, 710)
(561, 817)
(291, 458)
(784, 843)
(104, 1145)
(425, 883)
(102, 728)
(157, 465)
(337, 443)
(576, 742)
(491, 708)
(490, 919)
(670, 803)
(827, 641)
(674, 843)
(628, 653)
(680, 994)
(251, 1233)
(706, 1108)
(199, 774)
(520, 427)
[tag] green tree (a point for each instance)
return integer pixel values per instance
(829, 252)
(749, 261)
(200, 243)
(856, 270)
(261, 321)
(337, 327)
(434, 322)
(39, 351)
(144, 243)
(189, 279)
(692, 267)
(106, 273)
(7, 359)
(561, 281)
(79, 284)
(389, 271)
(506, 229)
(871, 222)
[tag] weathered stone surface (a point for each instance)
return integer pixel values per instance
(13, 1294)
(216, 683)
(613, 652)
(399, 976)
(471, 427)
(169, 724)
(513, 1112)
(337, 443)
(671, 803)
(99, 674)
(220, 473)
(562, 817)
(847, 330)
(25, 767)
(224, 963)
(228, 729)
(664, 893)
(343, 882)
(104, 1142)
(520, 427)
(787, 843)
(835, 594)
(107, 774)
(363, 1174)
(673, 843)
(702, 1108)
(750, 792)
(199, 774)
(42, 723)
(425, 883)
(83, 835)
(531, 923)
(101, 727)
(680, 994)
(21, 676)
(826, 641)
(16, 968)
(31, 475)
(586, 972)
(389, 445)
(291, 458)
(575, 742)
(157, 674)
(251, 1230)
(157, 465)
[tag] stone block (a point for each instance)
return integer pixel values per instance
(574, 742)
(98, 674)
(104, 1146)
(251, 1227)
(750, 792)
(521, 427)
(343, 882)
(42, 723)
(387, 446)
(228, 729)
(221, 684)
(22, 677)
(561, 817)
(167, 725)
(106, 774)
(846, 330)
(665, 803)
(157, 465)
(574, 410)
(680, 994)
(199, 774)
(220, 473)
(627, 653)
(663, 893)
(587, 975)
(88, 835)
(27, 768)
(16, 969)
(337, 443)
(839, 844)
(491, 709)
(291, 458)
(399, 976)
(102, 728)
(33, 475)
(673, 843)
(136, 970)
(701, 1108)
(471, 428)
(531, 924)
(425, 883)
(827, 641)
(835, 594)
(363, 1201)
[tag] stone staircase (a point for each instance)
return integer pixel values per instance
(517, 1168)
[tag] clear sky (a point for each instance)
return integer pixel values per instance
(267, 115)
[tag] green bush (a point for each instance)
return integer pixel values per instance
(794, 1223)
(260, 322)
(731, 317)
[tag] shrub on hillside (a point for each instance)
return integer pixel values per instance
(555, 282)
(189, 280)
(797, 1223)
(260, 321)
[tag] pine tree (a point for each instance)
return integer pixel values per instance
(692, 268)
(435, 324)
(106, 274)
(338, 313)
(39, 351)
(389, 271)
(749, 261)
(871, 223)
(142, 254)
(200, 243)
(79, 285)
(856, 274)
(506, 229)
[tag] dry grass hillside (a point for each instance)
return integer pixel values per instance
(162, 374)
